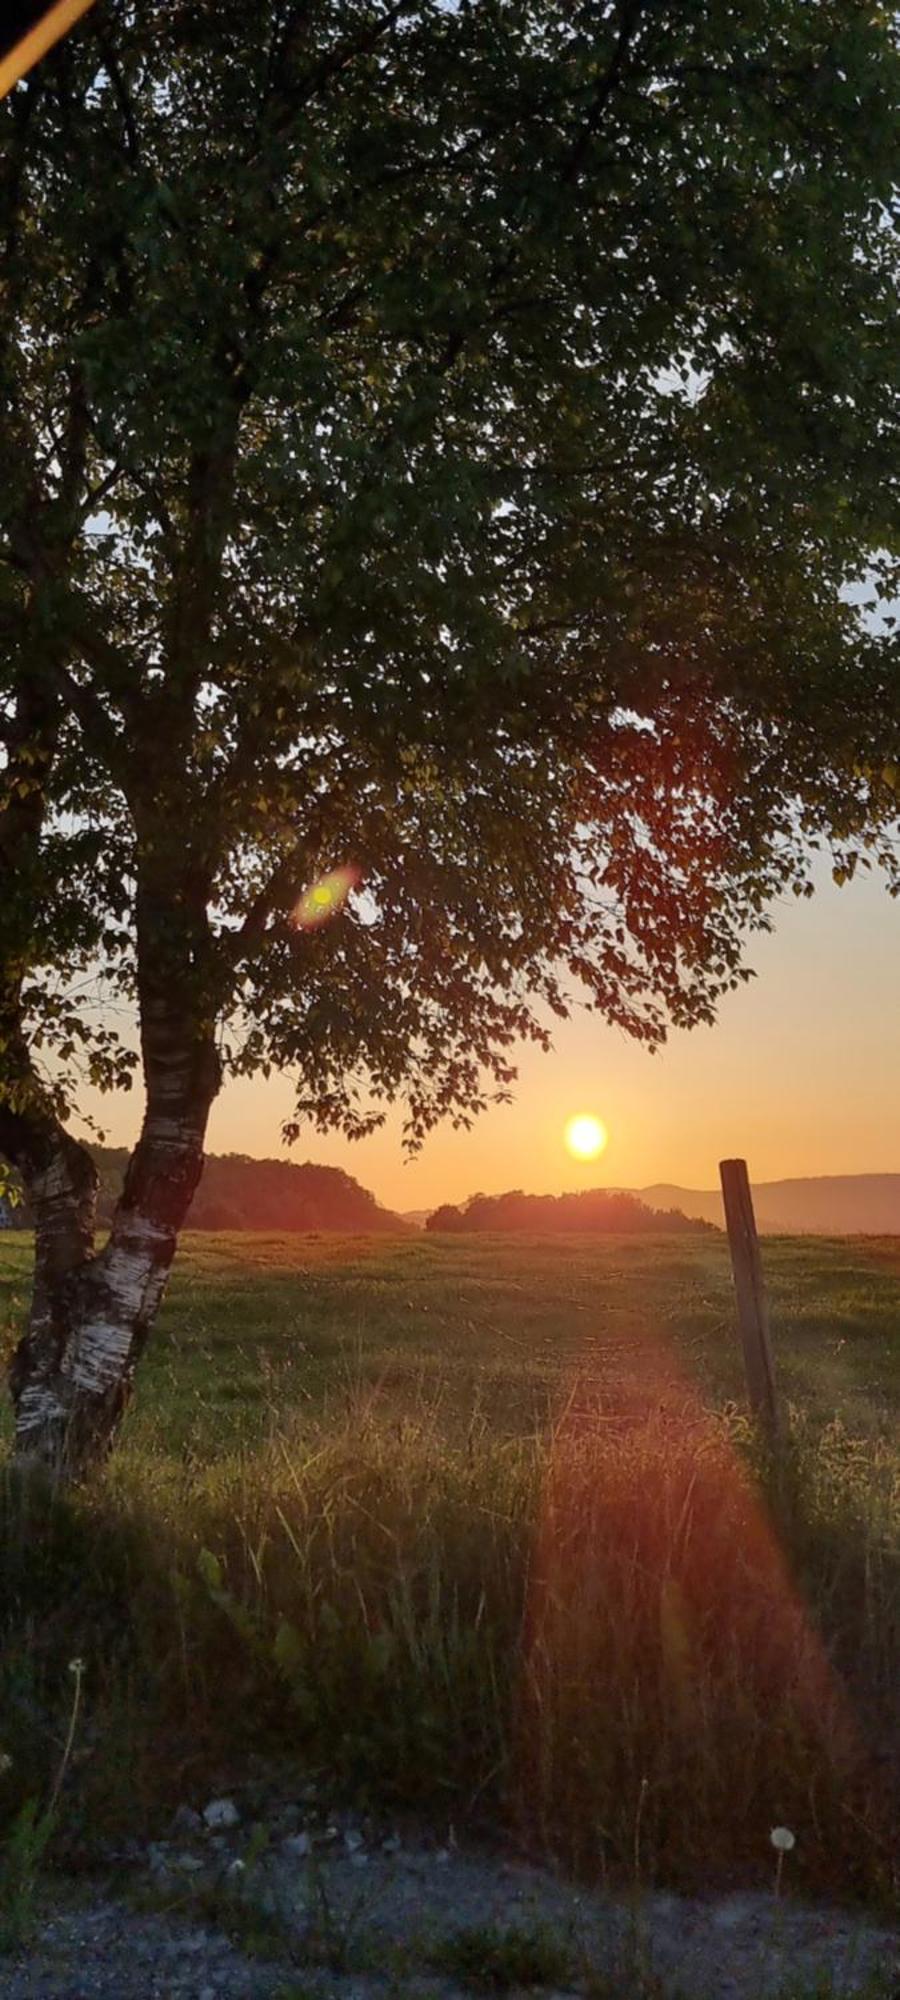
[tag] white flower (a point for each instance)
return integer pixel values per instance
(782, 1838)
(5, 1762)
(76, 1667)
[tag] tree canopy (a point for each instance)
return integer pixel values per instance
(436, 438)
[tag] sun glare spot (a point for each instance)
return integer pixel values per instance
(324, 898)
(585, 1137)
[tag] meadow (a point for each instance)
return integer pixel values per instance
(478, 1528)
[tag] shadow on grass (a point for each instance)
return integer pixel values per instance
(634, 1644)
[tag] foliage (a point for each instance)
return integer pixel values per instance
(436, 440)
(26, 1841)
(549, 1214)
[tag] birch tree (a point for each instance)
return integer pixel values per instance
(437, 443)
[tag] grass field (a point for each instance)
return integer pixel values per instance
(257, 1329)
(478, 1526)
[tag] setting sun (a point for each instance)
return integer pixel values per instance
(585, 1137)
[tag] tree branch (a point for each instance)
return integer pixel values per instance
(282, 887)
(120, 88)
(333, 64)
(629, 21)
(97, 724)
(95, 494)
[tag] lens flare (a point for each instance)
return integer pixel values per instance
(324, 898)
(585, 1136)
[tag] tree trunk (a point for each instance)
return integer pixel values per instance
(72, 1374)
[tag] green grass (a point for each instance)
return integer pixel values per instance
(486, 1959)
(257, 1325)
(478, 1528)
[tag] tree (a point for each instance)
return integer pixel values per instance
(436, 439)
(599, 1209)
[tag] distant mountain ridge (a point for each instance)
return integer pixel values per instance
(238, 1192)
(825, 1205)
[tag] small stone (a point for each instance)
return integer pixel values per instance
(392, 1845)
(352, 1840)
(236, 1869)
(359, 1860)
(296, 1844)
(207, 1993)
(732, 1911)
(442, 1857)
(221, 1812)
(186, 1820)
(190, 1864)
(159, 1857)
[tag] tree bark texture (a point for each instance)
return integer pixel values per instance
(72, 1374)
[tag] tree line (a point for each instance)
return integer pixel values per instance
(238, 1192)
(594, 1209)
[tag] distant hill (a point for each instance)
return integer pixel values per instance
(833, 1205)
(598, 1210)
(237, 1192)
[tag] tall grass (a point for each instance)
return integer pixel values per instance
(633, 1641)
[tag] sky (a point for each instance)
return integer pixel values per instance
(799, 1075)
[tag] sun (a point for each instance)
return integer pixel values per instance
(585, 1137)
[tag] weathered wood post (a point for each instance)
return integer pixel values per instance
(749, 1285)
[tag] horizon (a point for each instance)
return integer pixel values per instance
(799, 1090)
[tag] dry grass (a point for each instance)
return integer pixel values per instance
(625, 1636)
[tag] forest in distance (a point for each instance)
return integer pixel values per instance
(240, 1193)
(602, 1210)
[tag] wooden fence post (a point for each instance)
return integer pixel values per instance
(749, 1285)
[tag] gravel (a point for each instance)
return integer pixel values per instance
(311, 1907)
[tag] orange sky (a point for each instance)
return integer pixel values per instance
(800, 1075)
